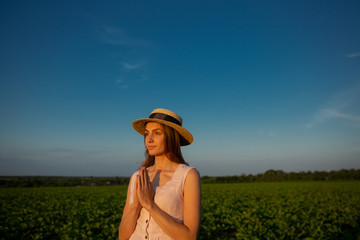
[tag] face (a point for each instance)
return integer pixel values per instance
(155, 138)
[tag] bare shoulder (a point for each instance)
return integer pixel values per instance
(192, 177)
(192, 193)
(193, 172)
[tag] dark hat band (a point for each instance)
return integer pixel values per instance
(165, 117)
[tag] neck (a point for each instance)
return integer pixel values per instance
(163, 163)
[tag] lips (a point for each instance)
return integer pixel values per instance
(150, 147)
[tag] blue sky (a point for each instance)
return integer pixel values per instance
(260, 84)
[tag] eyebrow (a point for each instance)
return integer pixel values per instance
(153, 129)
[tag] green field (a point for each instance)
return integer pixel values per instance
(273, 210)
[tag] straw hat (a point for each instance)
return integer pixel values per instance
(168, 118)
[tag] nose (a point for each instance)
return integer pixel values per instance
(149, 138)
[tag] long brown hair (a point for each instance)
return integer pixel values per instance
(172, 148)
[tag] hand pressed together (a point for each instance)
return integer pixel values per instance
(144, 190)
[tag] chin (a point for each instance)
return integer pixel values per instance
(156, 154)
(152, 153)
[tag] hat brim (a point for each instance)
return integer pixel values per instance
(185, 136)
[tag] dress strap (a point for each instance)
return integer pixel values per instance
(180, 174)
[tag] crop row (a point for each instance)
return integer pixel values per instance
(286, 210)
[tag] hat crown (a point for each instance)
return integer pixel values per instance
(169, 113)
(165, 117)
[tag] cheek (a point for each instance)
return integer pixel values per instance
(162, 141)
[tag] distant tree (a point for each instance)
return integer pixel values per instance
(269, 175)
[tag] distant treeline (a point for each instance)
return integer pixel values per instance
(279, 175)
(47, 181)
(269, 176)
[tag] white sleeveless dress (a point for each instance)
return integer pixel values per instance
(170, 198)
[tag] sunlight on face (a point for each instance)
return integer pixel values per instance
(155, 138)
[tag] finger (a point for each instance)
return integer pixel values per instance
(147, 178)
(140, 178)
(144, 176)
(137, 182)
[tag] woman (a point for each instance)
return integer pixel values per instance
(163, 198)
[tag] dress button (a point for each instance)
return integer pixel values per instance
(146, 221)
(145, 237)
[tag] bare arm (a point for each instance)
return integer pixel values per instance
(192, 206)
(130, 214)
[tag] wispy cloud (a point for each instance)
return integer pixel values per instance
(343, 106)
(116, 36)
(353, 55)
(327, 114)
(125, 80)
(130, 66)
(267, 133)
(332, 113)
(131, 73)
(70, 151)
